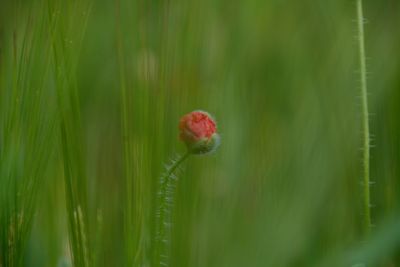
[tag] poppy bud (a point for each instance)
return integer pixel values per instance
(199, 132)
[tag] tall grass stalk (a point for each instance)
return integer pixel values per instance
(365, 119)
(133, 114)
(67, 29)
(26, 129)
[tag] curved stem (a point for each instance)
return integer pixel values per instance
(365, 120)
(163, 216)
(176, 164)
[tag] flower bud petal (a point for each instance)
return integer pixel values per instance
(198, 131)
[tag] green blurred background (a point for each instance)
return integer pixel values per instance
(92, 92)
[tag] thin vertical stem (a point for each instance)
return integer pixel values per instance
(365, 119)
(163, 216)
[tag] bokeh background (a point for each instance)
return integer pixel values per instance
(91, 94)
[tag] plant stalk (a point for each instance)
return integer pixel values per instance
(365, 119)
(164, 211)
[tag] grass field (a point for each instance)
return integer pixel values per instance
(91, 93)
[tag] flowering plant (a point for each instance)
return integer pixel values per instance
(198, 130)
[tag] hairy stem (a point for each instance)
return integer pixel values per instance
(365, 119)
(164, 210)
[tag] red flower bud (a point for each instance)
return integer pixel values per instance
(199, 132)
